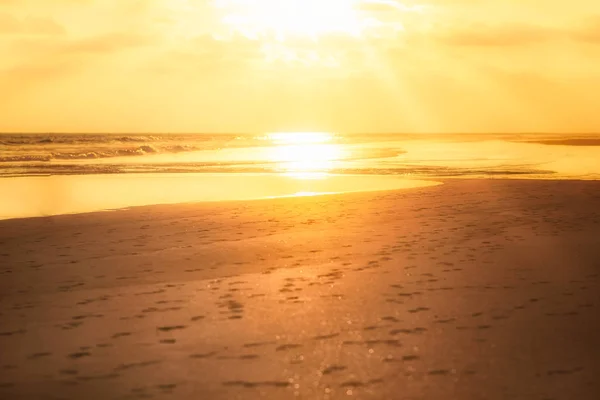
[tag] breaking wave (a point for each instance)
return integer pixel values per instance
(73, 139)
(97, 154)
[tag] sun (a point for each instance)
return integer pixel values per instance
(304, 155)
(312, 33)
(285, 19)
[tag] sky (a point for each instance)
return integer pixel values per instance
(299, 65)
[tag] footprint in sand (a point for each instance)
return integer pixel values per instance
(333, 368)
(288, 347)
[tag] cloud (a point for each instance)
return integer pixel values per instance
(206, 56)
(590, 32)
(45, 62)
(29, 26)
(32, 49)
(108, 43)
(500, 36)
(36, 3)
(514, 35)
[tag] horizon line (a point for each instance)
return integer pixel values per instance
(297, 131)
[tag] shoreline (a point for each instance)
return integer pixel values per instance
(75, 194)
(433, 181)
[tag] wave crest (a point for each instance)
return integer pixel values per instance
(91, 155)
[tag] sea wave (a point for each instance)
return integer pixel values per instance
(27, 140)
(413, 171)
(106, 139)
(96, 154)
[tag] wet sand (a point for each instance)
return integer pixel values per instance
(470, 290)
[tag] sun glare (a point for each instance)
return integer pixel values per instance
(304, 155)
(283, 19)
(311, 32)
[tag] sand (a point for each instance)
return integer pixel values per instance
(482, 289)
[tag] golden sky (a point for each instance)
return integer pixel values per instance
(286, 65)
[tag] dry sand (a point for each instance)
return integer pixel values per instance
(469, 290)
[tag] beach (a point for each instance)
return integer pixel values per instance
(300, 199)
(473, 289)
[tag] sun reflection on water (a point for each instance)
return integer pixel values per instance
(305, 155)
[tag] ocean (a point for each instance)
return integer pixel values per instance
(44, 175)
(449, 155)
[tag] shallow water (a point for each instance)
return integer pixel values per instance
(67, 194)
